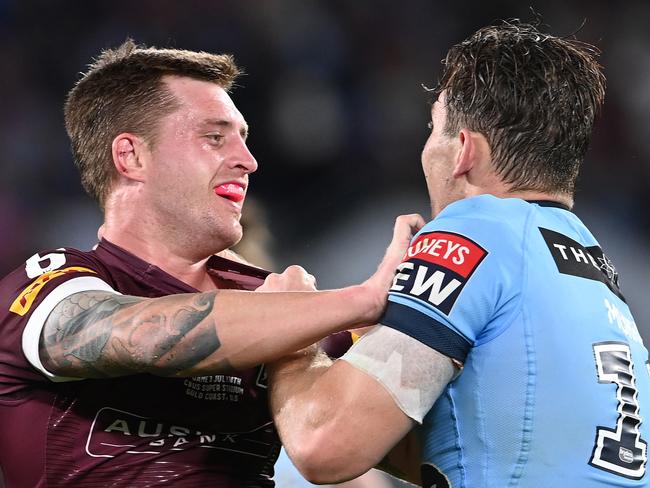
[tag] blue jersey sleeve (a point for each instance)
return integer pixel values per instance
(460, 279)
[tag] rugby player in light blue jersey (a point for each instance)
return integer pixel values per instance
(507, 339)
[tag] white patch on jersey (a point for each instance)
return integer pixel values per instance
(34, 327)
(625, 324)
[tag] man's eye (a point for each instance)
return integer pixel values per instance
(215, 137)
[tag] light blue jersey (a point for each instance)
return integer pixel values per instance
(555, 389)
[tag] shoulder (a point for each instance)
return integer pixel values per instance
(479, 226)
(461, 270)
(56, 262)
(30, 293)
(48, 270)
(485, 212)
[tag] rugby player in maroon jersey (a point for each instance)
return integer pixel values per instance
(138, 363)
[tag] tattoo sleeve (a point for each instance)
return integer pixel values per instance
(96, 334)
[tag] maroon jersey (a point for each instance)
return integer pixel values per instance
(135, 431)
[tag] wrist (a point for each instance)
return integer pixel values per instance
(371, 301)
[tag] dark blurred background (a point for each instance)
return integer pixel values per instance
(333, 94)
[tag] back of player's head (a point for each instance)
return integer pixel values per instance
(532, 95)
(123, 91)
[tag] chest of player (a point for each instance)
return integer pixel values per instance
(152, 416)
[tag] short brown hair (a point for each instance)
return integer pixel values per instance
(532, 95)
(123, 91)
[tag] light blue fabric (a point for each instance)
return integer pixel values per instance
(286, 474)
(544, 334)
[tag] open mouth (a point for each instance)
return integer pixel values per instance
(231, 191)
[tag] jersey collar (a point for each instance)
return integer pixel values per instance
(550, 203)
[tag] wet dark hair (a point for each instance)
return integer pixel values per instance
(533, 96)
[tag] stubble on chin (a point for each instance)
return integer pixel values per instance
(226, 236)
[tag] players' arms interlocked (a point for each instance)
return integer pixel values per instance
(338, 421)
(99, 334)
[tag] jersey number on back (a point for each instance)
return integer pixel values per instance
(620, 450)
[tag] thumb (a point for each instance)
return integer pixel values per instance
(406, 226)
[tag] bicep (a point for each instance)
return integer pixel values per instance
(343, 421)
(385, 383)
(412, 373)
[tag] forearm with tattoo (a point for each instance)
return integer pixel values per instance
(98, 334)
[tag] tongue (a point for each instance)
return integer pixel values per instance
(231, 191)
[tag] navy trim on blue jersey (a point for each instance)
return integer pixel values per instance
(550, 203)
(427, 330)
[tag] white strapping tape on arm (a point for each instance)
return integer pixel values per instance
(414, 374)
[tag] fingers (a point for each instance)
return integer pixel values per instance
(406, 226)
(294, 278)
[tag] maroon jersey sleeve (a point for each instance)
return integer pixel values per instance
(27, 296)
(126, 432)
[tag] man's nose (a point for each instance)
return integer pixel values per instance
(245, 159)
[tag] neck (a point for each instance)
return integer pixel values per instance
(562, 198)
(501, 190)
(149, 241)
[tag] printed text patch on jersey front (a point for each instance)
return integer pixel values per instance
(436, 267)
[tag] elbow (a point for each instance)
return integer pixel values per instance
(325, 457)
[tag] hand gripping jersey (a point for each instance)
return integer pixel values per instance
(135, 431)
(555, 390)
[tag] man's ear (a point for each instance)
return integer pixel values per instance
(466, 154)
(130, 156)
(474, 151)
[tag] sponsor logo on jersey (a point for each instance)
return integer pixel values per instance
(23, 302)
(572, 258)
(436, 267)
(116, 432)
(624, 322)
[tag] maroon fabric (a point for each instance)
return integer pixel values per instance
(136, 431)
(336, 345)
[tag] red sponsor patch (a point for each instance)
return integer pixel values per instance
(452, 251)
